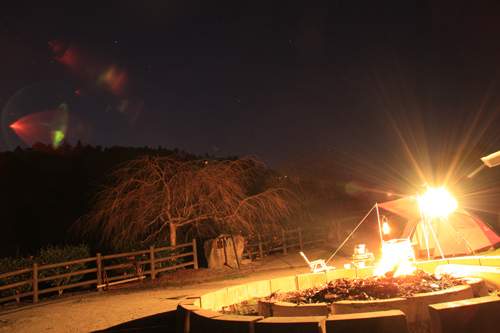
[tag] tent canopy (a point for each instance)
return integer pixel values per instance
(458, 233)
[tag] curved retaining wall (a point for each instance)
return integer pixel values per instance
(199, 313)
(415, 308)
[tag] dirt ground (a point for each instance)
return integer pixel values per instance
(146, 307)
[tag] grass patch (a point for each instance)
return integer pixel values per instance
(245, 308)
(230, 277)
(490, 253)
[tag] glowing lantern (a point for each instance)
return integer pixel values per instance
(385, 226)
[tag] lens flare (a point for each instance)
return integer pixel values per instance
(52, 127)
(44, 113)
(92, 69)
(130, 109)
(438, 203)
(115, 79)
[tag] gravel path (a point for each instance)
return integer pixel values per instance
(144, 309)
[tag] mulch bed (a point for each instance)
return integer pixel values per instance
(368, 288)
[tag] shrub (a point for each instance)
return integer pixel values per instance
(165, 254)
(60, 254)
(12, 264)
(127, 248)
(269, 241)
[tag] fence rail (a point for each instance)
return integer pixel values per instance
(142, 268)
(258, 246)
(290, 239)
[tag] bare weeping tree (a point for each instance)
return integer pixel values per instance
(153, 198)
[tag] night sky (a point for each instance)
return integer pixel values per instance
(386, 88)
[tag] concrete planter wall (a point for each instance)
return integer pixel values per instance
(199, 313)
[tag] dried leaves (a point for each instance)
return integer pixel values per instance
(368, 288)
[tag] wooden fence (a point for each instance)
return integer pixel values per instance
(259, 245)
(141, 269)
(298, 238)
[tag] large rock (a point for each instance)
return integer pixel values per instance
(217, 254)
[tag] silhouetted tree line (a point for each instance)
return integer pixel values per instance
(44, 190)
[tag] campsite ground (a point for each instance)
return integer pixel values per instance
(150, 306)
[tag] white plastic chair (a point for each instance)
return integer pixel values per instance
(317, 265)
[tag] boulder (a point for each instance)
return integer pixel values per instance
(220, 250)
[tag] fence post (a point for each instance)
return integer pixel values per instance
(284, 240)
(260, 248)
(300, 238)
(195, 254)
(35, 282)
(99, 272)
(152, 261)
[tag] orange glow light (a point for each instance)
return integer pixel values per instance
(438, 202)
(393, 252)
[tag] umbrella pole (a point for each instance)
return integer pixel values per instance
(470, 247)
(467, 243)
(435, 238)
(426, 237)
(424, 228)
(379, 227)
(333, 255)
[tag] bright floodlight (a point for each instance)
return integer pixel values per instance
(492, 159)
(438, 202)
